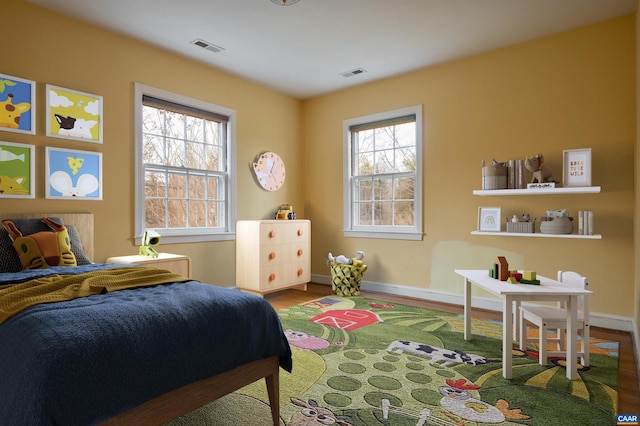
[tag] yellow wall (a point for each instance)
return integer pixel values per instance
(52, 49)
(571, 90)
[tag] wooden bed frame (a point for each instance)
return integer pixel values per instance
(83, 223)
(187, 398)
(183, 400)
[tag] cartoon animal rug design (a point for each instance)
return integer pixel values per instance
(459, 401)
(448, 357)
(361, 362)
(312, 414)
(302, 340)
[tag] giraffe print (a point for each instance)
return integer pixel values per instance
(10, 112)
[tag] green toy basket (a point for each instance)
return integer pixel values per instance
(346, 279)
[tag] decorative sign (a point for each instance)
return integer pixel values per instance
(576, 170)
(544, 185)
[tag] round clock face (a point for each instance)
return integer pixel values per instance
(269, 170)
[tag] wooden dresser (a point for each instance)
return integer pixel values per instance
(272, 255)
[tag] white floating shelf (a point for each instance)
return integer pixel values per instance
(536, 235)
(563, 190)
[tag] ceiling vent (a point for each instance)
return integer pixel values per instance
(206, 45)
(353, 72)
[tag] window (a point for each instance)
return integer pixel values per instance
(383, 175)
(185, 178)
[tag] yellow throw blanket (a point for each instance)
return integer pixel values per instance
(56, 288)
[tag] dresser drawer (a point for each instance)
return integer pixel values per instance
(283, 232)
(284, 253)
(274, 277)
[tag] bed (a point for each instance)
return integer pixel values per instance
(138, 355)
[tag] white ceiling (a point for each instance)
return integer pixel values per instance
(302, 49)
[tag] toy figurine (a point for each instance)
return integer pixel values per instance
(344, 260)
(540, 173)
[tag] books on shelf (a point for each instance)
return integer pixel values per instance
(516, 177)
(585, 222)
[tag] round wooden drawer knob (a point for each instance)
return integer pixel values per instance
(300, 272)
(299, 232)
(272, 277)
(272, 255)
(300, 252)
(272, 234)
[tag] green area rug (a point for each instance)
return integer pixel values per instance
(360, 361)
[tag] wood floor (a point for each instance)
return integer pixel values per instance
(628, 385)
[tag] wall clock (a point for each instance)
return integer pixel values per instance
(269, 170)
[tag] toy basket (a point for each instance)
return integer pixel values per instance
(346, 279)
(558, 225)
(521, 227)
(494, 177)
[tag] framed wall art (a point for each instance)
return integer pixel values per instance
(576, 167)
(17, 170)
(17, 105)
(74, 115)
(73, 175)
(489, 219)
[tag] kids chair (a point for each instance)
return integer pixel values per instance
(548, 317)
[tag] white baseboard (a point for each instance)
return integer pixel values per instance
(612, 322)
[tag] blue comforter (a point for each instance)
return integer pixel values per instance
(83, 361)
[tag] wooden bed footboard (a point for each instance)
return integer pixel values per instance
(183, 400)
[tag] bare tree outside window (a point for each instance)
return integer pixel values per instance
(185, 186)
(384, 175)
(383, 188)
(183, 151)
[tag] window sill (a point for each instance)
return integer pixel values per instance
(200, 238)
(386, 235)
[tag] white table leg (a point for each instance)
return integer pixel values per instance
(507, 336)
(467, 309)
(516, 319)
(572, 337)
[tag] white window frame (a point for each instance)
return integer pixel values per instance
(184, 235)
(386, 232)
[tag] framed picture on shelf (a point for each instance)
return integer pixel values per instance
(17, 105)
(489, 219)
(73, 175)
(74, 115)
(576, 167)
(17, 178)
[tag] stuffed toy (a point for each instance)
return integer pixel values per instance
(42, 249)
(343, 260)
(541, 173)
